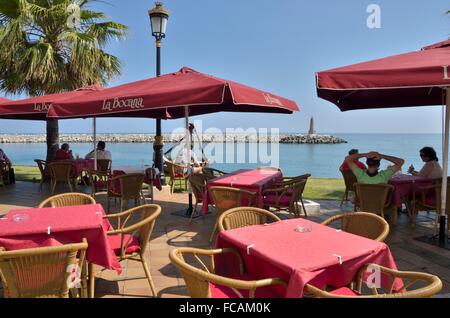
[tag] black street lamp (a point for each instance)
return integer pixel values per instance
(158, 19)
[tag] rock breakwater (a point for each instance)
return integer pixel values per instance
(174, 138)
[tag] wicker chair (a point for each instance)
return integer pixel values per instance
(287, 180)
(375, 198)
(4, 174)
(62, 171)
(225, 198)
(428, 198)
(176, 174)
(67, 199)
(368, 225)
(150, 175)
(104, 165)
(199, 279)
(349, 180)
(286, 196)
(45, 174)
(269, 169)
(211, 173)
(42, 272)
(430, 286)
(99, 181)
(245, 216)
(198, 184)
(130, 188)
(131, 238)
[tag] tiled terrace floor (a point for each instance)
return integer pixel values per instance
(173, 231)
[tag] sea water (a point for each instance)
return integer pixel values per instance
(321, 161)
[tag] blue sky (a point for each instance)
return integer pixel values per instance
(276, 46)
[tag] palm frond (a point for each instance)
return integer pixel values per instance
(42, 53)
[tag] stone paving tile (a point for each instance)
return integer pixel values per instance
(174, 231)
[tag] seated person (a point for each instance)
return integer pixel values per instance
(432, 168)
(373, 175)
(64, 153)
(194, 166)
(7, 169)
(102, 154)
(345, 166)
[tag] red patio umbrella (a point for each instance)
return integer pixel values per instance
(172, 96)
(418, 78)
(166, 97)
(36, 108)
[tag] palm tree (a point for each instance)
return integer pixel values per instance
(52, 46)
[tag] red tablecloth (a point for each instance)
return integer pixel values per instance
(250, 180)
(404, 186)
(83, 164)
(278, 250)
(56, 226)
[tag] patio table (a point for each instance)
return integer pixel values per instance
(250, 180)
(322, 257)
(31, 228)
(404, 186)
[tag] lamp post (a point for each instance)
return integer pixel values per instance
(158, 19)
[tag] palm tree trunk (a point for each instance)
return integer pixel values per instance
(52, 138)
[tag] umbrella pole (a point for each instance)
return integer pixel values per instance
(94, 123)
(190, 209)
(443, 217)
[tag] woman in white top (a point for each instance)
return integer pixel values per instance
(432, 169)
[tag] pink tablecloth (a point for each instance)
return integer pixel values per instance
(56, 226)
(250, 180)
(404, 186)
(278, 250)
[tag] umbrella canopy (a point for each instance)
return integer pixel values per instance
(166, 97)
(411, 79)
(36, 108)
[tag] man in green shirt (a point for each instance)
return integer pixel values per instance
(373, 175)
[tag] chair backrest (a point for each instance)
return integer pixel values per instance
(60, 170)
(67, 199)
(173, 169)
(268, 168)
(373, 197)
(415, 285)
(131, 185)
(199, 278)
(225, 198)
(150, 173)
(298, 189)
(104, 165)
(41, 272)
(439, 196)
(42, 167)
(198, 184)
(364, 224)
(245, 216)
(139, 222)
(349, 179)
(211, 173)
